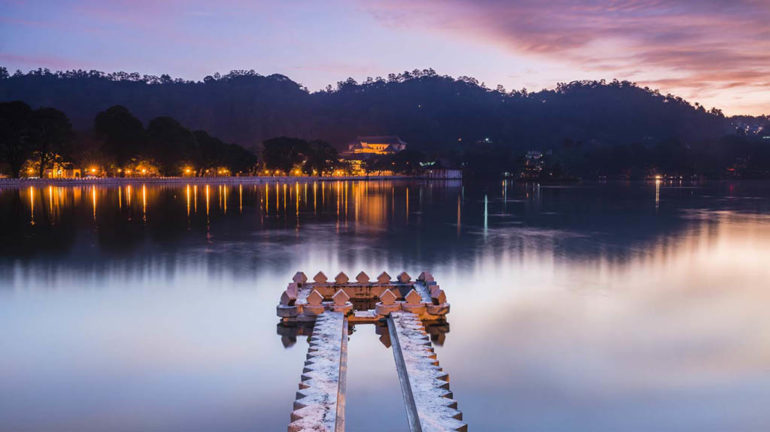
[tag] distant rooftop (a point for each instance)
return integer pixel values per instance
(377, 145)
(381, 139)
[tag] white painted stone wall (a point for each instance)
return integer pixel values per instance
(437, 411)
(315, 407)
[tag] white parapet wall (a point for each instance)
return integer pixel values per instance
(425, 386)
(320, 401)
(303, 299)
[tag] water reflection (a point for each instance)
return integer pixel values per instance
(576, 223)
(602, 307)
(31, 205)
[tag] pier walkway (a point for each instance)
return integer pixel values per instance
(320, 402)
(424, 385)
(401, 309)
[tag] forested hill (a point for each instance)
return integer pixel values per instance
(429, 111)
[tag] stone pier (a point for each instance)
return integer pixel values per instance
(320, 401)
(401, 309)
(424, 385)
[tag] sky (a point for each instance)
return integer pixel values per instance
(715, 52)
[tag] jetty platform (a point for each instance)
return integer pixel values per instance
(410, 315)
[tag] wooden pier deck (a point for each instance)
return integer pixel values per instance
(405, 306)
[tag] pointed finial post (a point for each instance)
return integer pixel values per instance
(320, 277)
(341, 278)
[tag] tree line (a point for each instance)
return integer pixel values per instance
(730, 156)
(430, 110)
(33, 141)
(42, 138)
(585, 128)
(297, 156)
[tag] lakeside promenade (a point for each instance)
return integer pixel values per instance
(250, 180)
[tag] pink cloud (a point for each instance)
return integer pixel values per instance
(708, 44)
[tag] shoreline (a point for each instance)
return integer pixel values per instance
(250, 180)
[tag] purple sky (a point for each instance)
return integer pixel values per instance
(716, 52)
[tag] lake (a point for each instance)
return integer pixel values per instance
(596, 307)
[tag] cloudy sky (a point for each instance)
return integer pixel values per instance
(716, 52)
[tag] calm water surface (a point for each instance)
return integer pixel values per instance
(609, 307)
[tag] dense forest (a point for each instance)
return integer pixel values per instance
(587, 128)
